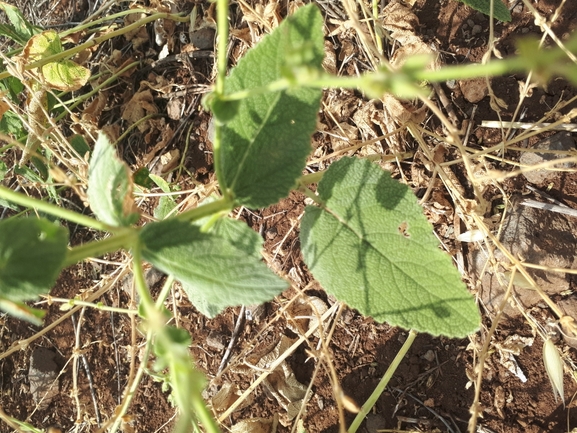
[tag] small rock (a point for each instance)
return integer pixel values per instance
(42, 375)
(429, 356)
(203, 39)
(559, 141)
(477, 29)
(474, 90)
(151, 277)
(216, 340)
(470, 22)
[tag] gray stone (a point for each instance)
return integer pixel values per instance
(535, 236)
(203, 39)
(562, 141)
(42, 375)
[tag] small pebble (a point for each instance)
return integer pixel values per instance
(43, 374)
(476, 29)
(429, 356)
(215, 340)
(470, 22)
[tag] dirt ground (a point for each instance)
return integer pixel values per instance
(432, 390)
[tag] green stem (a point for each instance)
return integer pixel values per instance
(51, 209)
(164, 292)
(154, 316)
(218, 206)
(109, 18)
(383, 383)
(385, 80)
(275, 86)
(126, 238)
(307, 179)
(97, 41)
(222, 59)
(204, 415)
(135, 125)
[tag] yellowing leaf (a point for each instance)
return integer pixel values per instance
(42, 45)
(65, 75)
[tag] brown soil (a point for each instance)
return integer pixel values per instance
(431, 391)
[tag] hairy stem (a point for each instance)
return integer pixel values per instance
(51, 209)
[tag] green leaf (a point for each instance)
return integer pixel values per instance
(20, 29)
(11, 125)
(28, 174)
(12, 85)
(217, 269)
(32, 251)
(500, 11)
(142, 178)
(371, 247)
(166, 203)
(264, 147)
(80, 145)
(110, 186)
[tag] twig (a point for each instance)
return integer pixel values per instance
(545, 195)
(528, 125)
(116, 358)
(401, 392)
(548, 206)
(88, 375)
(237, 329)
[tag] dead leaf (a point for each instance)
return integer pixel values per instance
(139, 35)
(37, 105)
(94, 109)
(140, 105)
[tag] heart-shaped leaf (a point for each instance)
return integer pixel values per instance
(370, 245)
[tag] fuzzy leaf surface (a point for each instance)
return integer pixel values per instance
(110, 186)
(32, 251)
(371, 247)
(218, 269)
(500, 11)
(264, 147)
